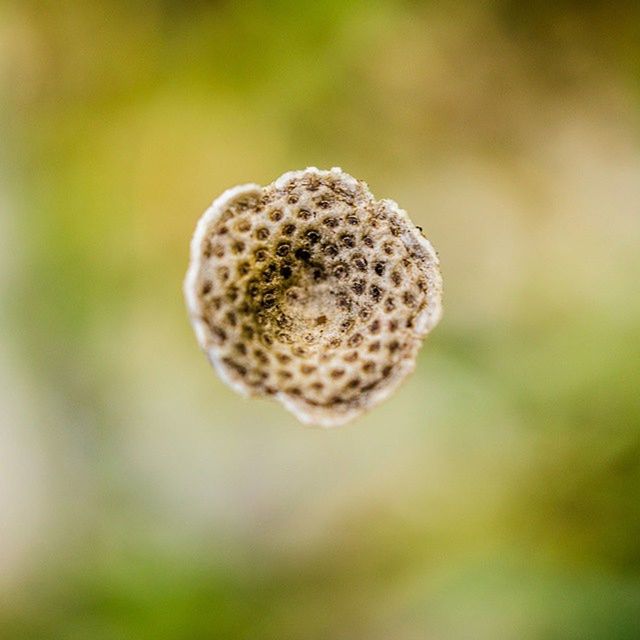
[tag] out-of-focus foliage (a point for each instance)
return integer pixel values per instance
(495, 496)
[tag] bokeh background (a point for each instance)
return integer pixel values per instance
(495, 496)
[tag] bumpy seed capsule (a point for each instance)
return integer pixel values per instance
(312, 291)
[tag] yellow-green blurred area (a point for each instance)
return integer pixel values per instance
(496, 496)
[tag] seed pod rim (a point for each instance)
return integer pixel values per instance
(424, 322)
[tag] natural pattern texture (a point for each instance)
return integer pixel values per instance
(312, 291)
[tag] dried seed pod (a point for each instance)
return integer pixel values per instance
(313, 292)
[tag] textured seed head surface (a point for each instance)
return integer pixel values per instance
(313, 292)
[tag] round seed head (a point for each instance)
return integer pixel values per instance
(312, 291)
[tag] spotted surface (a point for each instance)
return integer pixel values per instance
(312, 291)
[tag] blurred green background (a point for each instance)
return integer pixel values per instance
(495, 496)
